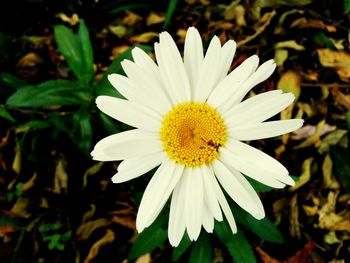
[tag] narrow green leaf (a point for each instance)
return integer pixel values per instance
(104, 87)
(348, 118)
(69, 45)
(83, 131)
(238, 246)
(6, 115)
(11, 80)
(181, 248)
(263, 228)
(346, 6)
(151, 238)
(201, 250)
(86, 52)
(50, 93)
(170, 12)
(340, 157)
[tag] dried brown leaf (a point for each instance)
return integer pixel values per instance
(106, 239)
(339, 60)
(154, 18)
(85, 230)
(73, 20)
(305, 175)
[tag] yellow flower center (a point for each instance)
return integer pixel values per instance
(192, 134)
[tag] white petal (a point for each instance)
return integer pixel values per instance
(172, 68)
(262, 167)
(144, 61)
(262, 73)
(130, 113)
(247, 168)
(193, 56)
(150, 86)
(157, 193)
(207, 220)
(194, 202)
(209, 73)
(231, 83)
(177, 223)
(228, 51)
(258, 108)
(137, 166)
(126, 144)
(209, 194)
(263, 130)
(223, 203)
(239, 189)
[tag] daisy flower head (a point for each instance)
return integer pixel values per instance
(190, 120)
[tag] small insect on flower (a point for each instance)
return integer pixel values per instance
(190, 120)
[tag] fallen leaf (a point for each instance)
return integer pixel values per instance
(30, 60)
(294, 227)
(61, 177)
(340, 98)
(131, 19)
(144, 37)
(292, 44)
(302, 256)
(73, 20)
(314, 139)
(308, 130)
(331, 238)
(146, 258)
(21, 207)
(30, 183)
(85, 230)
(91, 171)
(329, 180)
(339, 60)
(312, 23)
(89, 213)
(118, 30)
(280, 57)
(106, 239)
(305, 175)
(16, 164)
(154, 18)
(290, 82)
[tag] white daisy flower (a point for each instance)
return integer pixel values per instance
(189, 120)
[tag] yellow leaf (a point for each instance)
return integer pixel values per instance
(280, 56)
(119, 30)
(61, 177)
(29, 184)
(331, 238)
(16, 164)
(21, 207)
(292, 44)
(131, 19)
(290, 82)
(30, 60)
(328, 179)
(85, 230)
(144, 38)
(91, 171)
(339, 60)
(106, 239)
(315, 138)
(154, 18)
(310, 210)
(305, 175)
(73, 20)
(146, 258)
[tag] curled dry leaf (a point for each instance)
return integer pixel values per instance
(85, 230)
(305, 175)
(339, 60)
(106, 239)
(144, 37)
(61, 177)
(329, 180)
(290, 82)
(314, 139)
(73, 20)
(154, 18)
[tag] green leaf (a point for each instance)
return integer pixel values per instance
(6, 115)
(181, 248)
(12, 80)
(259, 187)
(86, 52)
(83, 131)
(104, 87)
(237, 245)
(169, 12)
(340, 157)
(346, 6)
(321, 39)
(201, 250)
(77, 50)
(150, 238)
(263, 228)
(348, 118)
(50, 93)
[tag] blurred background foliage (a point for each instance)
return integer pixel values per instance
(57, 205)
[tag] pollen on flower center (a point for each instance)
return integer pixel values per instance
(192, 133)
